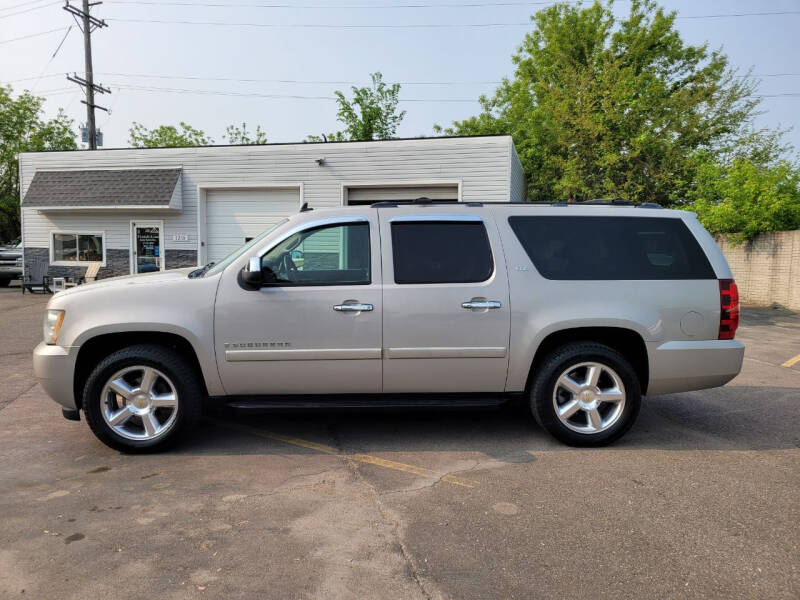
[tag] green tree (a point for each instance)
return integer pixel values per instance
(371, 114)
(167, 136)
(23, 128)
(240, 135)
(747, 197)
(605, 108)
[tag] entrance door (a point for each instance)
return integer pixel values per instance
(446, 315)
(147, 246)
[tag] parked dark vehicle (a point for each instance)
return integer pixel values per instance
(10, 265)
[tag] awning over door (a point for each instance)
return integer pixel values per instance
(101, 189)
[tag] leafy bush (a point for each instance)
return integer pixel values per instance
(747, 198)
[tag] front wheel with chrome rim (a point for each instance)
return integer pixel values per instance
(585, 394)
(142, 398)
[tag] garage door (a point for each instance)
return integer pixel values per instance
(402, 193)
(233, 217)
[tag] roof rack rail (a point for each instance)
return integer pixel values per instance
(612, 202)
(561, 203)
(427, 202)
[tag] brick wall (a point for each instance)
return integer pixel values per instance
(766, 268)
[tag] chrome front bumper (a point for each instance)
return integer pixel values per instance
(54, 367)
(692, 365)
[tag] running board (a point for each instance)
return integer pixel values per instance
(360, 402)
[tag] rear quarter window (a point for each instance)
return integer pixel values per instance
(598, 248)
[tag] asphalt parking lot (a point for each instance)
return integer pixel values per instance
(700, 499)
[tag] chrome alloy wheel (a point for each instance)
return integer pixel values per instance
(589, 397)
(139, 403)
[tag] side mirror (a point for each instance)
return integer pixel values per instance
(252, 275)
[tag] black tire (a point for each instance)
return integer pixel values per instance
(4, 282)
(185, 379)
(543, 389)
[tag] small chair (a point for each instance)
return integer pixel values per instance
(36, 279)
(90, 275)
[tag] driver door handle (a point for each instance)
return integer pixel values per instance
(352, 307)
(481, 304)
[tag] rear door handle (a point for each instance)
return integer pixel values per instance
(352, 307)
(473, 304)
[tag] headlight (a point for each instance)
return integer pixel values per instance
(52, 325)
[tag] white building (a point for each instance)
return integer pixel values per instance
(138, 209)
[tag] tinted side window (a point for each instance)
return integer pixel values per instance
(611, 248)
(441, 252)
(332, 255)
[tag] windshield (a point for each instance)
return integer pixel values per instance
(237, 253)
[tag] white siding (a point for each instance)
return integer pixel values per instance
(328, 241)
(481, 164)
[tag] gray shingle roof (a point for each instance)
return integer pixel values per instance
(102, 187)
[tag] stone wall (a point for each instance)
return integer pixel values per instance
(178, 259)
(766, 268)
(117, 262)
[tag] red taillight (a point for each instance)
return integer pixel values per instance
(728, 309)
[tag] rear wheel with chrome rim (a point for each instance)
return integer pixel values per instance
(585, 394)
(142, 398)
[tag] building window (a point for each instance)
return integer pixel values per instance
(70, 248)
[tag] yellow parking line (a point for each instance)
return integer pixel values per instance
(792, 361)
(362, 458)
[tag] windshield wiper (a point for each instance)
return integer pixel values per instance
(201, 271)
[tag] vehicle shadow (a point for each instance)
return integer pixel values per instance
(725, 419)
(761, 316)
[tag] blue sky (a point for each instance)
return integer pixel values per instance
(135, 58)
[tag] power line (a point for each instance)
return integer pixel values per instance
(314, 81)
(402, 26)
(270, 96)
(321, 25)
(61, 43)
(32, 35)
(13, 6)
(753, 14)
(317, 82)
(250, 80)
(155, 89)
(396, 6)
(27, 10)
(324, 6)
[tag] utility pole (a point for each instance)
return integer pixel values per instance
(87, 23)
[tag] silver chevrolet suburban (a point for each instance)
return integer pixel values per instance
(578, 309)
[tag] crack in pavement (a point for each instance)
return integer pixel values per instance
(394, 522)
(394, 525)
(18, 396)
